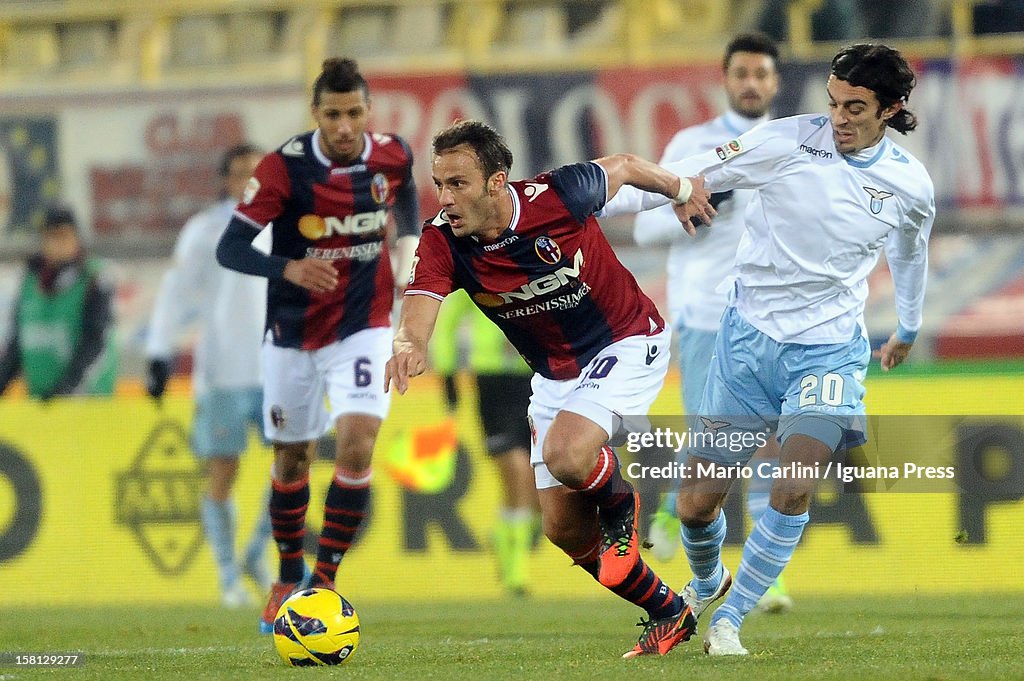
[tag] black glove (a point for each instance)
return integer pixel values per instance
(157, 373)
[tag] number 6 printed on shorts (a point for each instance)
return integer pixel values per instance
(363, 377)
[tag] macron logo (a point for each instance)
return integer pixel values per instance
(533, 190)
(820, 153)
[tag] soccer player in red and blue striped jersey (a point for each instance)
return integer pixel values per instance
(328, 193)
(533, 258)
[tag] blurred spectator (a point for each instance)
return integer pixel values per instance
(833, 20)
(999, 16)
(60, 337)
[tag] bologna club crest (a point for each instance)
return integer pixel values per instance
(547, 250)
(379, 188)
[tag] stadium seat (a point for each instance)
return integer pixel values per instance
(87, 44)
(540, 26)
(198, 40)
(32, 48)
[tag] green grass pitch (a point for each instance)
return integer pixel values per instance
(900, 637)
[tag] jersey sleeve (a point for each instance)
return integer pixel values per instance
(179, 291)
(265, 195)
(660, 226)
(906, 251)
(747, 162)
(432, 267)
(583, 188)
(406, 207)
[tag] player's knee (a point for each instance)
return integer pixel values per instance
(566, 460)
(694, 510)
(354, 451)
(291, 460)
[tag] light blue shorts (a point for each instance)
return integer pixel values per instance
(757, 384)
(222, 420)
(696, 347)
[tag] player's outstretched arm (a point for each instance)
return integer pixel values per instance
(409, 359)
(646, 185)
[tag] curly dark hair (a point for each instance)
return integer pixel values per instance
(486, 142)
(339, 75)
(885, 72)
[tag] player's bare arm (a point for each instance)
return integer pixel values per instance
(687, 193)
(419, 314)
(312, 274)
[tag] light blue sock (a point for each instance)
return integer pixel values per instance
(219, 520)
(261, 532)
(759, 489)
(256, 549)
(703, 546)
(765, 553)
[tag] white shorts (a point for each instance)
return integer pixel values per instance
(615, 389)
(348, 373)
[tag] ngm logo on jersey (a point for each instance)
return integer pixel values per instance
(159, 497)
(541, 286)
(315, 227)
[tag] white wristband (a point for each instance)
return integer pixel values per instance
(685, 190)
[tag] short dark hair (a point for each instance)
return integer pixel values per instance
(237, 151)
(758, 43)
(339, 75)
(57, 215)
(885, 72)
(487, 143)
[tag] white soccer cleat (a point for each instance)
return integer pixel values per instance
(236, 596)
(723, 638)
(775, 602)
(663, 535)
(699, 605)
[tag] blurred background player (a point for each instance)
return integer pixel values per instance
(792, 352)
(61, 338)
(533, 258)
(226, 375)
(328, 193)
(503, 397)
(697, 265)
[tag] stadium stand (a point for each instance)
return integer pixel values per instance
(127, 43)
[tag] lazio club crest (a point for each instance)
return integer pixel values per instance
(877, 196)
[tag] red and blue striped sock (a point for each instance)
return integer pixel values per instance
(288, 504)
(347, 501)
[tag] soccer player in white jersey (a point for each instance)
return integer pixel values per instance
(831, 191)
(696, 266)
(226, 373)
